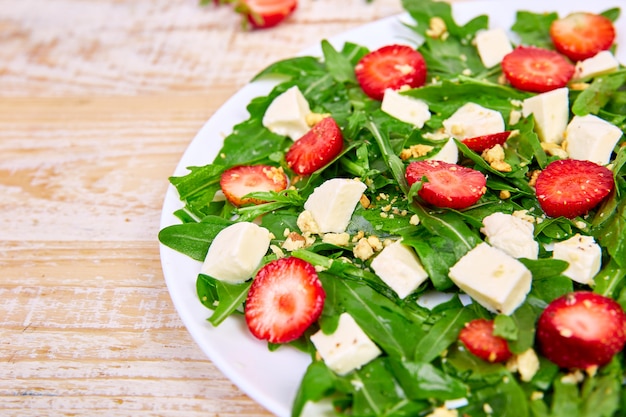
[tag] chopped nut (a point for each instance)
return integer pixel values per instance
(339, 239)
(415, 151)
(437, 29)
(533, 177)
(314, 118)
(307, 223)
(365, 202)
(505, 194)
(363, 250)
(554, 149)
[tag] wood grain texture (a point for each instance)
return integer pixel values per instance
(98, 101)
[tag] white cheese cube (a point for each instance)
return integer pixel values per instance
(400, 268)
(495, 280)
(492, 46)
(583, 255)
(511, 234)
(286, 114)
(404, 108)
(602, 63)
(236, 252)
(332, 203)
(448, 153)
(472, 120)
(551, 113)
(591, 138)
(347, 349)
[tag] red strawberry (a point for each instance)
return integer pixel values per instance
(537, 70)
(392, 66)
(238, 181)
(571, 187)
(285, 298)
(581, 329)
(316, 148)
(447, 185)
(582, 35)
(482, 143)
(478, 338)
(266, 13)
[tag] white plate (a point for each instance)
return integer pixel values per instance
(272, 378)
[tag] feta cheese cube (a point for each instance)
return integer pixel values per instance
(511, 234)
(287, 114)
(405, 108)
(472, 120)
(551, 113)
(583, 255)
(448, 153)
(494, 279)
(591, 138)
(602, 63)
(492, 46)
(400, 268)
(332, 203)
(236, 252)
(347, 349)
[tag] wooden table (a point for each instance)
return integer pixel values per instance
(98, 101)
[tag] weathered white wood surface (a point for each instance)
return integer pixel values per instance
(98, 100)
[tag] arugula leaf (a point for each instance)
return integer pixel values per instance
(382, 320)
(423, 381)
(442, 334)
(338, 65)
(534, 28)
(193, 239)
(221, 297)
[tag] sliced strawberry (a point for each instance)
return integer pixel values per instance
(241, 180)
(571, 187)
(537, 70)
(478, 338)
(285, 298)
(482, 143)
(447, 185)
(316, 148)
(581, 330)
(262, 14)
(392, 66)
(582, 35)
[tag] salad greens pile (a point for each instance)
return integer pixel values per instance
(423, 365)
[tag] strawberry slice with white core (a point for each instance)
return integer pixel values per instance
(479, 339)
(582, 35)
(317, 148)
(262, 14)
(538, 70)
(447, 185)
(581, 330)
(285, 298)
(241, 180)
(392, 66)
(572, 187)
(484, 142)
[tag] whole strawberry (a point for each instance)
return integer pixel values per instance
(581, 330)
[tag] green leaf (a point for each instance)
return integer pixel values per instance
(534, 28)
(597, 95)
(442, 334)
(423, 381)
(226, 298)
(337, 64)
(318, 382)
(193, 239)
(381, 319)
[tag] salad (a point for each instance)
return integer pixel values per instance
(360, 231)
